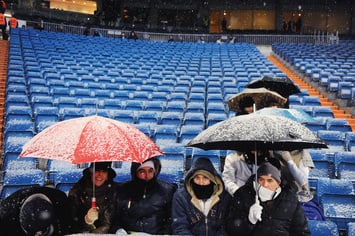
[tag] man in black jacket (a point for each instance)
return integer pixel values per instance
(265, 208)
(144, 203)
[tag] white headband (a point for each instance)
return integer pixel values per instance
(146, 164)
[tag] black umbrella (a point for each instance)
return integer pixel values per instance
(282, 85)
(253, 132)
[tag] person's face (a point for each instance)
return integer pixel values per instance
(268, 182)
(100, 177)
(146, 173)
(249, 109)
(201, 180)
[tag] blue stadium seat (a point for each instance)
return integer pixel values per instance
(173, 163)
(123, 171)
(188, 132)
(171, 118)
(350, 230)
(338, 124)
(70, 113)
(45, 117)
(155, 105)
(65, 180)
(148, 117)
(195, 107)
(18, 113)
(127, 116)
(322, 111)
(214, 118)
(350, 141)
(175, 106)
(323, 228)
(134, 105)
(324, 166)
(337, 197)
(334, 139)
(192, 118)
(66, 102)
(165, 134)
(17, 179)
(345, 165)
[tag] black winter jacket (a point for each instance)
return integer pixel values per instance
(144, 206)
(282, 216)
(80, 197)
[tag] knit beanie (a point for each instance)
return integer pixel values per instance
(268, 169)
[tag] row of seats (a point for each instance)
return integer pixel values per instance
(332, 67)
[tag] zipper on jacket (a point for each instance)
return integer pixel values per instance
(206, 223)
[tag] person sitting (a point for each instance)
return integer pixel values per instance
(239, 166)
(93, 213)
(246, 106)
(35, 211)
(143, 204)
(199, 208)
(264, 207)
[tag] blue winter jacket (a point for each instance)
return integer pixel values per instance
(188, 217)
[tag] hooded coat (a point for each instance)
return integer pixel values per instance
(188, 216)
(10, 209)
(80, 198)
(282, 216)
(144, 206)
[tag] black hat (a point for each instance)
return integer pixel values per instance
(37, 214)
(270, 170)
(104, 166)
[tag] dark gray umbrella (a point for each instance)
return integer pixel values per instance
(254, 131)
(282, 85)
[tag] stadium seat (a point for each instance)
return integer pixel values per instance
(337, 197)
(324, 166)
(322, 111)
(148, 117)
(16, 179)
(350, 230)
(338, 124)
(127, 116)
(345, 165)
(165, 134)
(188, 132)
(192, 118)
(171, 118)
(334, 139)
(350, 141)
(323, 228)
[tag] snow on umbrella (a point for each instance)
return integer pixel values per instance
(282, 85)
(259, 95)
(253, 131)
(91, 139)
(294, 114)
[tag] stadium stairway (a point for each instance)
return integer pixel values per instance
(4, 52)
(338, 113)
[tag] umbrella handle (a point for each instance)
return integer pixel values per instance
(93, 202)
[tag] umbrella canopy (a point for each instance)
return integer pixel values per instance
(294, 114)
(259, 95)
(91, 139)
(252, 131)
(282, 85)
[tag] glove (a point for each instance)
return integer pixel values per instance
(91, 216)
(121, 231)
(255, 213)
(286, 155)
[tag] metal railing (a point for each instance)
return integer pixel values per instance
(257, 39)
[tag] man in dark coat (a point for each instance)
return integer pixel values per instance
(199, 208)
(89, 215)
(35, 211)
(274, 212)
(144, 203)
